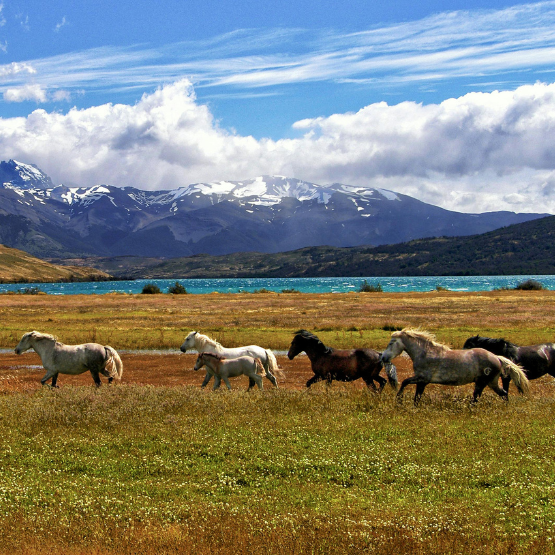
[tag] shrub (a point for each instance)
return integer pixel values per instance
(150, 289)
(365, 287)
(530, 285)
(292, 290)
(31, 291)
(177, 289)
(441, 288)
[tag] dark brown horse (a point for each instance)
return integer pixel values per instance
(345, 366)
(536, 360)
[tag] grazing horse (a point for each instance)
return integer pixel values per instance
(222, 368)
(536, 360)
(435, 362)
(204, 344)
(58, 358)
(345, 366)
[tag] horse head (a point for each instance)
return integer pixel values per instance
(26, 342)
(189, 342)
(200, 362)
(393, 349)
(307, 342)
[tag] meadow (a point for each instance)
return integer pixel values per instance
(139, 468)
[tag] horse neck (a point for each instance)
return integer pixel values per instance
(415, 347)
(41, 346)
(212, 363)
(313, 351)
(204, 344)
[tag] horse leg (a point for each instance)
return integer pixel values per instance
(54, 381)
(96, 377)
(312, 380)
(217, 382)
(227, 384)
(505, 383)
(408, 381)
(381, 381)
(50, 374)
(271, 377)
(419, 391)
(502, 392)
(258, 381)
(206, 380)
(252, 383)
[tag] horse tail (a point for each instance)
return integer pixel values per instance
(273, 365)
(391, 371)
(516, 372)
(260, 367)
(113, 365)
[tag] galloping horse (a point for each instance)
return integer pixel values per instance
(536, 360)
(435, 362)
(222, 368)
(346, 365)
(58, 358)
(204, 344)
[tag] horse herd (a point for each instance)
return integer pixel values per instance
(482, 361)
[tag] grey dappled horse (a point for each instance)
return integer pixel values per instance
(435, 362)
(58, 358)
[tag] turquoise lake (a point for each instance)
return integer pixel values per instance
(305, 285)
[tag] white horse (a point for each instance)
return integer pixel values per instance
(58, 358)
(223, 368)
(204, 344)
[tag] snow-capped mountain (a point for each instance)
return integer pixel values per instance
(265, 214)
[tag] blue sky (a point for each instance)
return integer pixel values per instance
(267, 87)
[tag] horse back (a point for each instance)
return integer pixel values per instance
(537, 360)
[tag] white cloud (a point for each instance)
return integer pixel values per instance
(451, 45)
(478, 152)
(62, 23)
(27, 92)
(16, 68)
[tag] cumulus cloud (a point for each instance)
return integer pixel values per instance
(27, 92)
(479, 152)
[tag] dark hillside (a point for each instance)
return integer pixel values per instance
(526, 248)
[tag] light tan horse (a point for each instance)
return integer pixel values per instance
(434, 362)
(222, 368)
(58, 358)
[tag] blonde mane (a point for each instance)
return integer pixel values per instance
(423, 336)
(39, 335)
(204, 339)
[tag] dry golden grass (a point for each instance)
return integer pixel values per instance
(342, 320)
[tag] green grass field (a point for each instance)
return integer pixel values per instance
(153, 470)
(178, 470)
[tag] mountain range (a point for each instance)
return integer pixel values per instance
(267, 214)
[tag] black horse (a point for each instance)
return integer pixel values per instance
(536, 360)
(345, 365)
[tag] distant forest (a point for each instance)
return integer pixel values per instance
(527, 248)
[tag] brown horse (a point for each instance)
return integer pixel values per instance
(345, 366)
(536, 360)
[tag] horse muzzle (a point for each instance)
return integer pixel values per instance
(17, 351)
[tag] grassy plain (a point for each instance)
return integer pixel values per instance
(173, 469)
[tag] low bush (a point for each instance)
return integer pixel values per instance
(530, 285)
(366, 287)
(177, 289)
(151, 289)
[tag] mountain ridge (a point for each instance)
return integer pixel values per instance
(263, 214)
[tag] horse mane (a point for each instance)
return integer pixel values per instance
(506, 348)
(423, 335)
(213, 355)
(306, 335)
(39, 335)
(204, 339)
